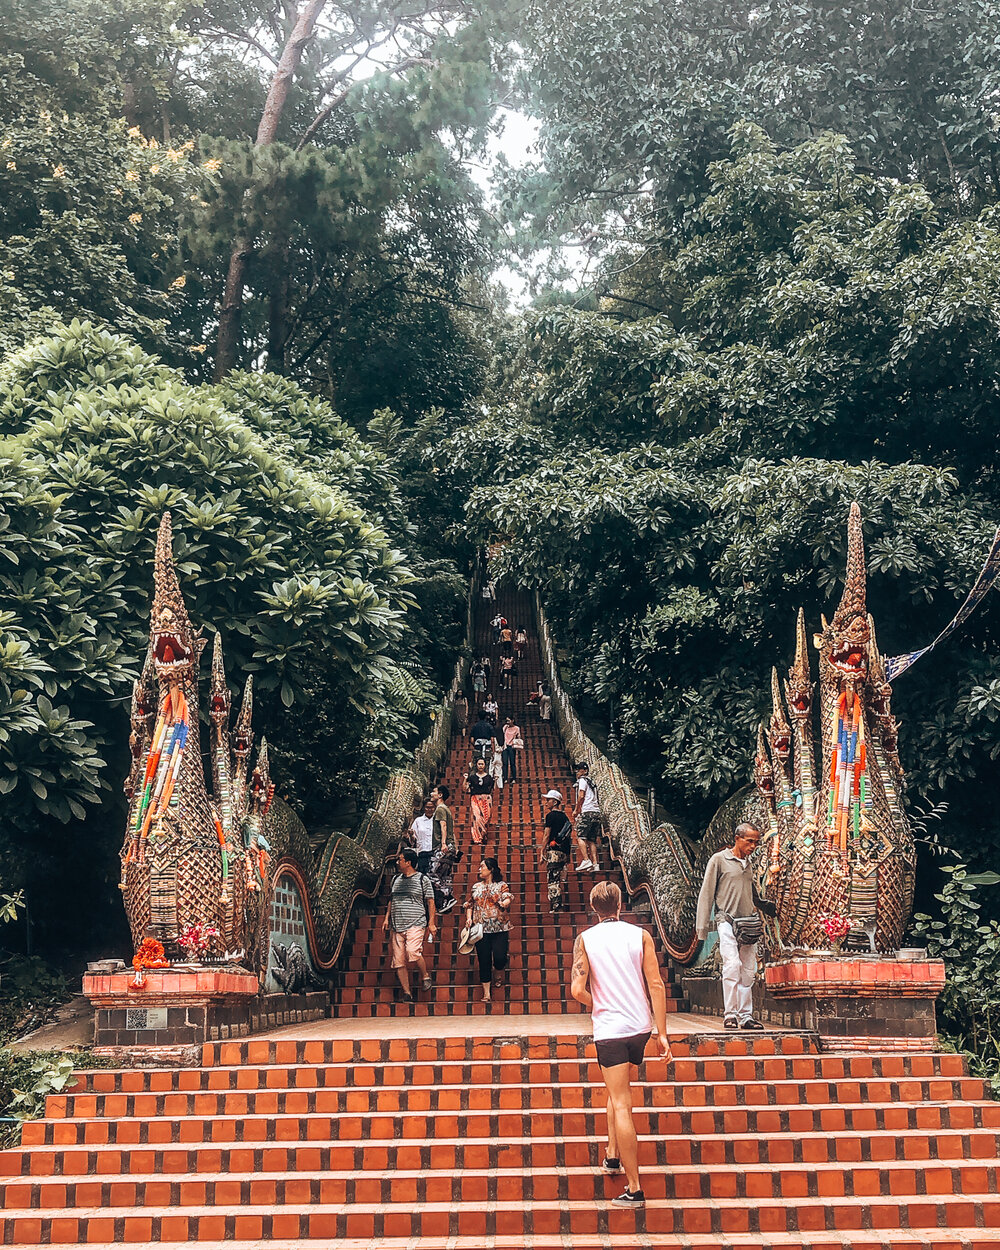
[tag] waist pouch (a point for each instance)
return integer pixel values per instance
(748, 930)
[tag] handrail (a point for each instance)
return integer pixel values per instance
(652, 860)
(353, 866)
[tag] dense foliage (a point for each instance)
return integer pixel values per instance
(129, 173)
(636, 100)
(281, 545)
(969, 944)
(678, 484)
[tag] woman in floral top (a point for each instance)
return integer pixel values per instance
(490, 907)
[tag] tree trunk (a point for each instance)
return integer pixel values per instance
(129, 103)
(277, 320)
(230, 314)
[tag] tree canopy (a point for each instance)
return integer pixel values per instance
(637, 100)
(278, 509)
(677, 483)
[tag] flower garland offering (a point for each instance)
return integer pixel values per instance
(197, 938)
(149, 955)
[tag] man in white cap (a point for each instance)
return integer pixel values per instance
(555, 846)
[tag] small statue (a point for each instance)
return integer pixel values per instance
(292, 970)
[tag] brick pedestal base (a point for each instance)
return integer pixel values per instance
(858, 1004)
(181, 1009)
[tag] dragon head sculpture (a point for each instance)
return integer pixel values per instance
(838, 840)
(174, 644)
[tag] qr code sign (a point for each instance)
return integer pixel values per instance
(135, 1018)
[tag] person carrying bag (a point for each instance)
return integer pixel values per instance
(490, 908)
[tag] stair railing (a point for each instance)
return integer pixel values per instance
(352, 866)
(654, 861)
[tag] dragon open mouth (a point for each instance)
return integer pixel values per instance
(170, 653)
(848, 656)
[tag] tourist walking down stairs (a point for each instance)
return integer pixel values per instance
(421, 835)
(479, 786)
(445, 854)
(728, 888)
(412, 918)
(490, 907)
(587, 818)
(556, 847)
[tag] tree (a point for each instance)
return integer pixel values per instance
(636, 101)
(366, 248)
(89, 226)
(232, 300)
(278, 548)
(432, 78)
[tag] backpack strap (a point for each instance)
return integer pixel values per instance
(423, 897)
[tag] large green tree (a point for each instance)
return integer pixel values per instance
(277, 510)
(636, 100)
(332, 233)
(677, 484)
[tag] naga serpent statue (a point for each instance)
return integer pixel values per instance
(190, 857)
(837, 839)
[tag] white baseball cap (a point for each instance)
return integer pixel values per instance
(552, 794)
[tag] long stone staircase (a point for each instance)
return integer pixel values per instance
(541, 943)
(437, 1125)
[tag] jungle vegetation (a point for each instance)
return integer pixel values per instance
(246, 272)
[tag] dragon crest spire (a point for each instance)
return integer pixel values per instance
(798, 688)
(778, 730)
(220, 699)
(849, 630)
(175, 645)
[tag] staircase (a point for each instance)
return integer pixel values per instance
(439, 1126)
(466, 1142)
(541, 944)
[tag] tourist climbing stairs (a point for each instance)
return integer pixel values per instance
(436, 1125)
(541, 943)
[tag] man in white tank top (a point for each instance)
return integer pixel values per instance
(617, 975)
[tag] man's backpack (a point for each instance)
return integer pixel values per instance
(563, 838)
(593, 790)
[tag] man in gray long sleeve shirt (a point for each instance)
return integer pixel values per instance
(728, 888)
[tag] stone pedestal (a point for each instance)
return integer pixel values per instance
(174, 1007)
(177, 1010)
(857, 1003)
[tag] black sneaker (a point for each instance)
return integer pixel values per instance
(611, 1165)
(752, 1024)
(447, 906)
(629, 1199)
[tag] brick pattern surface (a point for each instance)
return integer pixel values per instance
(493, 1142)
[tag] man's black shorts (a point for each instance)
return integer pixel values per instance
(616, 1050)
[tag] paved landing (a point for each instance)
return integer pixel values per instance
(679, 1024)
